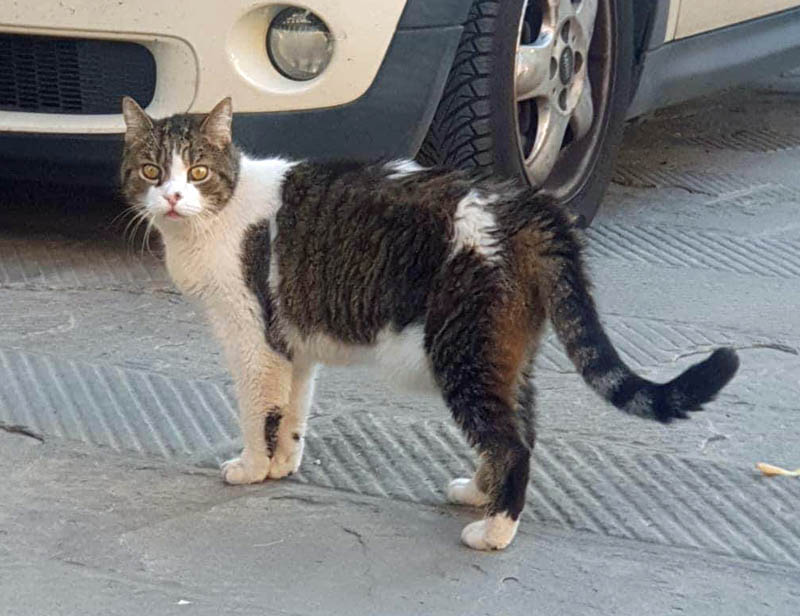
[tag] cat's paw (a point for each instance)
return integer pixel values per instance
(245, 469)
(463, 491)
(492, 533)
(286, 460)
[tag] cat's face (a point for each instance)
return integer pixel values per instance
(178, 168)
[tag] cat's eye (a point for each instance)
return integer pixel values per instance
(150, 172)
(198, 173)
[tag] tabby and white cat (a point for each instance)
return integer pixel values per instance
(432, 273)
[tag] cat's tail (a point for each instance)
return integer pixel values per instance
(572, 312)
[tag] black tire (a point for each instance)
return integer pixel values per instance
(475, 123)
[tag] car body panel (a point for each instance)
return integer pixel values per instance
(434, 13)
(696, 16)
(673, 11)
(696, 65)
(193, 41)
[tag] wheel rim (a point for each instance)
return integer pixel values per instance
(561, 76)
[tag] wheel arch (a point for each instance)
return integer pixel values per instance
(649, 31)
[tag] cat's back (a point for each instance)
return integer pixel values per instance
(351, 198)
(357, 249)
(360, 247)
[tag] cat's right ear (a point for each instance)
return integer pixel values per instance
(137, 121)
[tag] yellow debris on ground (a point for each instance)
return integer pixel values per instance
(770, 471)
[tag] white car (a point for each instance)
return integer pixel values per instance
(533, 88)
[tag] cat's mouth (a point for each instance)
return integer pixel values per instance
(173, 214)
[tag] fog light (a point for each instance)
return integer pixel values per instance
(299, 44)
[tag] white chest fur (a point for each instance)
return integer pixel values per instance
(204, 260)
(203, 255)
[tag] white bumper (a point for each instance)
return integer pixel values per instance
(208, 49)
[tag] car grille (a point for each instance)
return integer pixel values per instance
(44, 74)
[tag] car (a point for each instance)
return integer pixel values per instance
(536, 89)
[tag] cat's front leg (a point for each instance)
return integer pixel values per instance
(263, 380)
(290, 437)
(247, 468)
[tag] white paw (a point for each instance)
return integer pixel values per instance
(245, 469)
(492, 533)
(463, 491)
(286, 460)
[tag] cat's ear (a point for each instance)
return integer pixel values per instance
(137, 121)
(217, 125)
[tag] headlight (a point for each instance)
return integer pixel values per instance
(299, 44)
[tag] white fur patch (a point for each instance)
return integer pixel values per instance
(641, 404)
(607, 383)
(402, 360)
(274, 279)
(474, 226)
(493, 533)
(321, 348)
(397, 357)
(286, 461)
(403, 168)
(245, 469)
(464, 491)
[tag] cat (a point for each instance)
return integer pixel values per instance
(442, 276)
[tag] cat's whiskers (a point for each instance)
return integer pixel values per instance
(128, 211)
(134, 214)
(146, 239)
(132, 228)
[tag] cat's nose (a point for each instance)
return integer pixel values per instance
(173, 198)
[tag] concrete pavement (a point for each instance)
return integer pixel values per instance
(116, 507)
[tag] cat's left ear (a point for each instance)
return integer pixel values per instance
(217, 125)
(137, 122)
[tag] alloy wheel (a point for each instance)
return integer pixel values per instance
(552, 85)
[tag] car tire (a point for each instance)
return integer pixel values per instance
(481, 123)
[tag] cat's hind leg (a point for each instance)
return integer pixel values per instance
(502, 477)
(479, 344)
(472, 491)
(289, 442)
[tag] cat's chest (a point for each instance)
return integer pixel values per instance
(204, 271)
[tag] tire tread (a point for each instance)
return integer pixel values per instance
(460, 134)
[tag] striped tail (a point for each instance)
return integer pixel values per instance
(574, 318)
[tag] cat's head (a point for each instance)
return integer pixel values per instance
(179, 167)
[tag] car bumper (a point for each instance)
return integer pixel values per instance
(389, 121)
(206, 50)
(388, 118)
